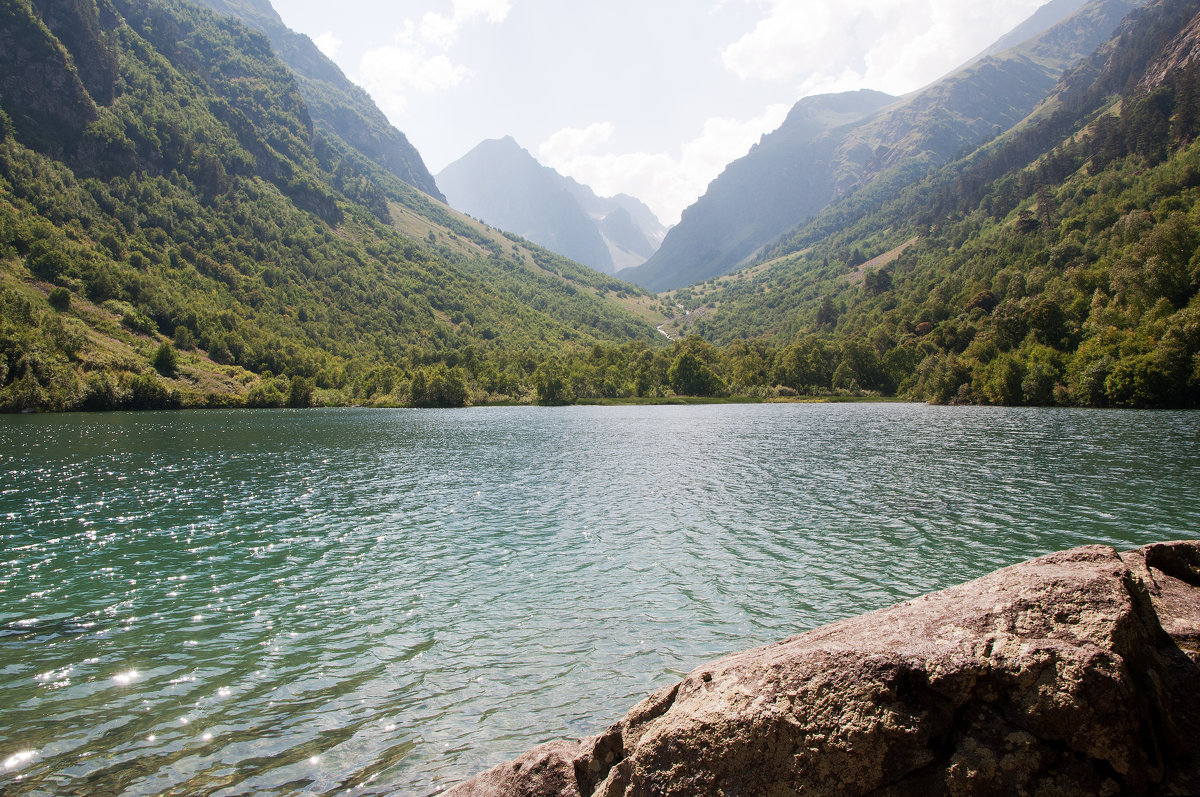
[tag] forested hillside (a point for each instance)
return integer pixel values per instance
(339, 109)
(1059, 264)
(833, 145)
(174, 229)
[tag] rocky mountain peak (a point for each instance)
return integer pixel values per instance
(504, 185)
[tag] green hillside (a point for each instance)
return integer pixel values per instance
(175, 230)
(342, 111)
(834, 144)
(1059, 264)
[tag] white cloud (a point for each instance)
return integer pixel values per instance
(417, 59)
(328, 44)
(572, 142)
(390, 73)
(667, 182)
(891, 45)
(442, 30)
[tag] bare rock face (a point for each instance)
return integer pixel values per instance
(1075, 673)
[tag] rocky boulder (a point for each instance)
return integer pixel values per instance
(1075, 673)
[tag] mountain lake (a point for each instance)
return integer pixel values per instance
(377, 601)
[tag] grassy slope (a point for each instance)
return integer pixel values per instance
(201, 206)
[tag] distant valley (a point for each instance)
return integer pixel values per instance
(206, 212)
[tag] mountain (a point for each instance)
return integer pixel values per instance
(797, 170)
(339, 109)
(1056, 264)
(784, 178)
(1042, 20)
(177, 228)
(504, 185)
(629, 228)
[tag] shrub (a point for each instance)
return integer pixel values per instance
(137, 322)
(300, 392)
(165, 360)
(147, 393)
(266, 394)
(60, 299)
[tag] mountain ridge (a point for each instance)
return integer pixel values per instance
(1056, 264)
(1044, 18)
(754, 197)
(897, 143)
(339, 107)
(194, 238)
(503, 184)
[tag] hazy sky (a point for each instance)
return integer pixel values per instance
(646, 97)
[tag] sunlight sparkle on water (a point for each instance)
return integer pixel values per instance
(403, 644)
(126, 678)
(19, 759)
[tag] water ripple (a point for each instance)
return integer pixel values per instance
(362, 602)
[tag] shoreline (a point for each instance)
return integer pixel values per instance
(665, 401)
(987, 687)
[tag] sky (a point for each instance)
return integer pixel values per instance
(646, 97)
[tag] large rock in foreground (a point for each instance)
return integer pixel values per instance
(1075, 673)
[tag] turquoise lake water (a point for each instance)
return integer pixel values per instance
(363, 602)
